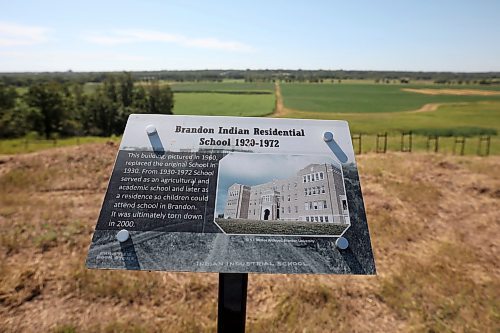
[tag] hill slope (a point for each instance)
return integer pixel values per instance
(435, 233)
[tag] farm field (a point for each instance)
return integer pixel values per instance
(242, 226)
(223, 104)
(456, 120)
(368, 107)
(370, 98)
(433, 222)
(224, 99)
(235, 87)
(444, 115)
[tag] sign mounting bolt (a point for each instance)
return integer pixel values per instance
(342, 243)
(151, 129)
(122, 235)
(328, 136)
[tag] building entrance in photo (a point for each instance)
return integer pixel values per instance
(266, 214)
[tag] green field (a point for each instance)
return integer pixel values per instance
(216, 104)
(368, 98)
(368, 107)
(243, 87)
(477, 114)
(376, 108)
(242, 226)
(224, 99)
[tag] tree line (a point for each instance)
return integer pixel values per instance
(52, 108)
(262, 75)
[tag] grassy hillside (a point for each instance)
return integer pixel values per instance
(434, 226)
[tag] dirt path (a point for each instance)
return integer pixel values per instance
(279, 110)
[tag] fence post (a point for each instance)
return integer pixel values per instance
(487, 140)
(459, 141)
(434, 138)
(411, 140)
(403, 147)
(382, 149)
(357, 137)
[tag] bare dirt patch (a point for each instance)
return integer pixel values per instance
(454, 92)
(431, 107)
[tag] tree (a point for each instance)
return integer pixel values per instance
(102, 111)
(140, 100)
(49, 100)
(18, 121)
(161, 99)
(126, 89)
(110, 89)
(8, 96)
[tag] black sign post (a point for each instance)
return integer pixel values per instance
(232, 302)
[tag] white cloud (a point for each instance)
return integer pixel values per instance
(12, 34)
(127, 36)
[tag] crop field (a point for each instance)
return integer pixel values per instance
(426, 109)
(234, 87)
(224, 99)
(223, 104)
(243, 226)
(464, 111)
(368, 98)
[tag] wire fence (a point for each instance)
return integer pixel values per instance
(408, 142)
(380, 143)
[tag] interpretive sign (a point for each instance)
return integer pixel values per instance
(233, 195)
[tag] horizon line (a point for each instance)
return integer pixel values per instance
(251, 70)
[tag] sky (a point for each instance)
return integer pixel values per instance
(413, 35)
(259, 169)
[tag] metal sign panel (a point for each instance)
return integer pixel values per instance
(232, 194)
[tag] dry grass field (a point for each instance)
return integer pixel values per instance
(435, 233)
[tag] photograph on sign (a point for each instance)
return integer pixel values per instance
(233, 195)
(277, 194)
